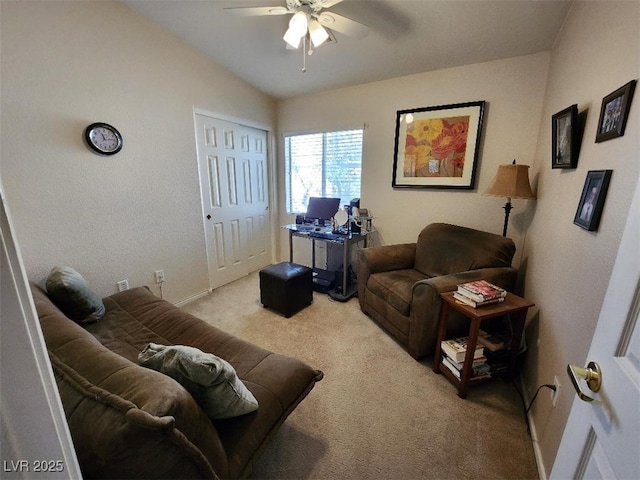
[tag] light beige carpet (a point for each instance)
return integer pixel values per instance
(377, 414)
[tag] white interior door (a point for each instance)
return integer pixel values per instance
(233, 169)
(602, 440)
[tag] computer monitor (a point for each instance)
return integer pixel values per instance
(321, 208)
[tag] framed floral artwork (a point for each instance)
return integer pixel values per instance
(564, 138)
(437, 147)
(592, 199)
(614, 113)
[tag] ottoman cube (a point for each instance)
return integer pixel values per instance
(286, 287)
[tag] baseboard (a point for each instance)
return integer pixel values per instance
(542, 475)
(192, 298)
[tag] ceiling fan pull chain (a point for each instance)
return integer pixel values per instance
(304, 54)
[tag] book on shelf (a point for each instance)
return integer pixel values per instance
(493, 342)
(502, 354)
(456, 348)
(477, 362)
(499, 360)
(481, 290)
(473, 303)
(482, 371)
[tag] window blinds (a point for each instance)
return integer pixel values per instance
(322, 165)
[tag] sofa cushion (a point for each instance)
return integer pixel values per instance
(395, 287)
(444, 249)
(212, 381)
(72, 294)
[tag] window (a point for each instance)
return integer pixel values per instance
(322, 165)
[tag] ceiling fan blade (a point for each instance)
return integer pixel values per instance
(344, 25)
(257, 11)
(327, 3)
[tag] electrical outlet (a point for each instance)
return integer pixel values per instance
(123, 285)
(159, 276)
(556, 392)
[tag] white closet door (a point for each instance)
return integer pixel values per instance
(232, 163)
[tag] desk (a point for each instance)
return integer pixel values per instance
(325, 235)
(513, 306)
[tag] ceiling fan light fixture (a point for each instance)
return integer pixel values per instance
(292, 38)
(299, 23)
(297, 29)
(317, 33)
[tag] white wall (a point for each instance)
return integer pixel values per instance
(68, 64)
(513, 90)
(597, 52)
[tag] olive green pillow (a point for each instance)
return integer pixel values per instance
(72, 294)
(210, 380)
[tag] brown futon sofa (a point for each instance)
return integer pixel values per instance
(128, 421)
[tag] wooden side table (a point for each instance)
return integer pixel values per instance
(513, 306)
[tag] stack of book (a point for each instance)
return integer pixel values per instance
(479, 293)
(492, 342)
(453, 354)
(496, 351)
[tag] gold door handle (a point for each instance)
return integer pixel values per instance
(592, 374)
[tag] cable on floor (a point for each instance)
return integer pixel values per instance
(526, 408)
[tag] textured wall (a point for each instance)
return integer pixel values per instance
(68, 64)
(597, 52)
(513, 90)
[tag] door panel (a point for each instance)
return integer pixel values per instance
(232, 163)
(601, 438)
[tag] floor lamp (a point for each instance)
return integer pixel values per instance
(511, 181)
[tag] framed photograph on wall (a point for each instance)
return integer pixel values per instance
(565, 138)
(592, 199)
(437, 147)
(614, 112)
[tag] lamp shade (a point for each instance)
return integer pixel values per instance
(292, 38)
(317, 33)
(297, 29)
(298, 23)
(511, 181)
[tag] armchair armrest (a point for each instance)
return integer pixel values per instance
(426, 303)
(382, 259)
(504, 277)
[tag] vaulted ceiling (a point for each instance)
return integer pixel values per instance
(405, 37)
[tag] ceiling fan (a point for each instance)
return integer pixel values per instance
(308, 18)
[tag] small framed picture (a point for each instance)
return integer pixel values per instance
(614, 113)
(565, 138)
(592, 199)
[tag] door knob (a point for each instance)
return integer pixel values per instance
(208, 217)
(592, 374)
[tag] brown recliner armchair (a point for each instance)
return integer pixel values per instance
(399, 286)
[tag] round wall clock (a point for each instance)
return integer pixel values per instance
(103, 138)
